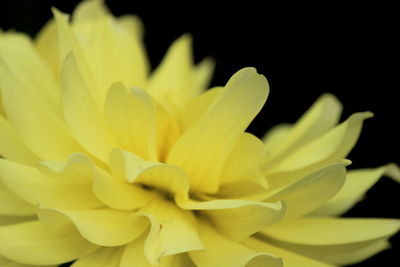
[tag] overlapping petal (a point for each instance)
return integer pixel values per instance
(337, 241)
(105, 164)
(204, 148)
(32, 243)
(221, 251)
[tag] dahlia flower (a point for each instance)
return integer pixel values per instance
(105, 163)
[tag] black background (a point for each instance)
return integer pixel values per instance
(303, 50)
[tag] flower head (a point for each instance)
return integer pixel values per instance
(108, 164)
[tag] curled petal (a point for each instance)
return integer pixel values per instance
(172, 231)
(290, 259)
(35, 188)
(119, 194)
(134, 256)
(104, 227)
(237, 219)
(134, 169)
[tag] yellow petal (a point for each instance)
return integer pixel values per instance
(198, 106)
(356, 184)
(321, 117)
(77, 169)
(336, 241)
(119, 194)
(220, 251)
(103, 257)
(290, 259)
(112, 53)
(273, 138)
(48, 46)
(332, 231)
(311, 191)
(332, 146)
(8, 263)
(132, 24)
(89, 10)
(7, 220)
(134, 256)
(172, 230)
(131, 116)
(203, 149)
(84, 118)
(172, 81)
(11, 205)
(203, 74)
(237, 219)
(12, 147)
(31, 104)
(244, 161)
(24, 62)
(104, 227)
(134, 169)
(32, 243)
(35, 188)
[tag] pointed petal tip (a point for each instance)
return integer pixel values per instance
(393, 171)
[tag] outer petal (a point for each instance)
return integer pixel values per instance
(32, 243)
(320, 118)
(311, 191)
(131, 115)
(290, 259)
(47, 45)
(82, 114)
(223, 252)
(30, 107)
(12, 147)
(337, 241)
(203, 149)
(104, 227)
(330, 147)
(134, 256)
(237, 219)
(172, 81)
(172, 231)
(103, 257)
(35, 188)
(356, 184)
(111, 51)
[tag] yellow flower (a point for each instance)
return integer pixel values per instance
(106, 164)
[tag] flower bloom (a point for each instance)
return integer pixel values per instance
(106, 164)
